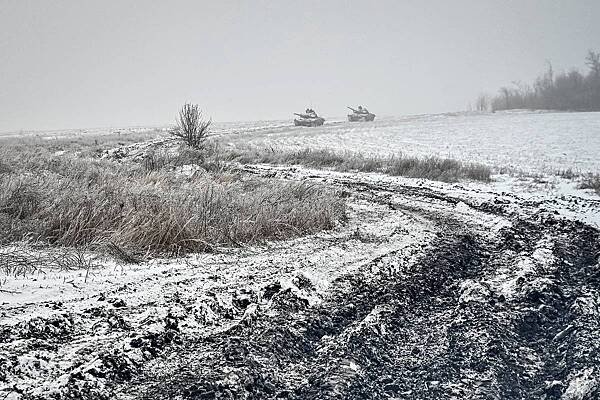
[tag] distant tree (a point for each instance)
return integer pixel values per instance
(506, 95)
(567, 91)
(482, 103)
(549, 75)
(550, 91)
(592, 60)
(592, 81)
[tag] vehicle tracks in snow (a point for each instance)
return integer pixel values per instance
(482, 311)
(425, 295)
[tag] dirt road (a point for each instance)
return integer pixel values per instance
(424, 294)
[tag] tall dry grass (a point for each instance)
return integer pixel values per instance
(84, 144)
(434, 168)
(23, 259)
(71, 200)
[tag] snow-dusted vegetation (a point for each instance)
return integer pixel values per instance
(283, 262)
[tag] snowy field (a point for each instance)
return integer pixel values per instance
(462, 290)
(520, 141)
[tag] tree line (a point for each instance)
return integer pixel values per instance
(565, 91)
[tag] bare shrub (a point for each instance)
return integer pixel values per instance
(568, 173)
(591, 181)
(155, 160)
(191, 127)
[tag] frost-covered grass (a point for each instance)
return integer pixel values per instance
(23, 259)
(591, 181)
(434, 168)
(80, 141)
(76, 200)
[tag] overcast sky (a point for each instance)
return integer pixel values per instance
(69, 64)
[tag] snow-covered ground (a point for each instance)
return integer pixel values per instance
(429, 290)
(533, 142)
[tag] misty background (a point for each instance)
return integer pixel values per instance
(69, 64)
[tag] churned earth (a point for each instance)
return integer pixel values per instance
(428, 291)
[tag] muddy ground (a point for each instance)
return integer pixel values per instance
(424, 294)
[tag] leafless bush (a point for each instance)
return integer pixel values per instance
(591, 181)
(191, 127)
(568, 173)
(155, 161)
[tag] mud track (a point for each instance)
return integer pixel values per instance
(428, 295)
(474, 314)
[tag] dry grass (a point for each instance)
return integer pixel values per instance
(434, 168)
(75, 201)
(60, 192)
(210, 158)
(83, 144)
(568, 173)
(591, 181)
(23, 260)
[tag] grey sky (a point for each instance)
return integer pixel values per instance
(83, 63)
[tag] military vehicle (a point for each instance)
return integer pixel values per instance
(310, 118)
(362, 114)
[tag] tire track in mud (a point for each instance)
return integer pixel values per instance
(464, 319)
(272, 354)
(479, 312)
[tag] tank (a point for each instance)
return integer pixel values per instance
(360, 116)
(308, 120)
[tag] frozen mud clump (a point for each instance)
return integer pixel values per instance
(243, 298)
(152, 343)
(54, 328)
(214, 308)
(118, 303)
(303, 283)
(90, 380)
(120, 364)
(6, 366)
(110, 319)
(583, 386)
(270, 290)
(288, 301)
